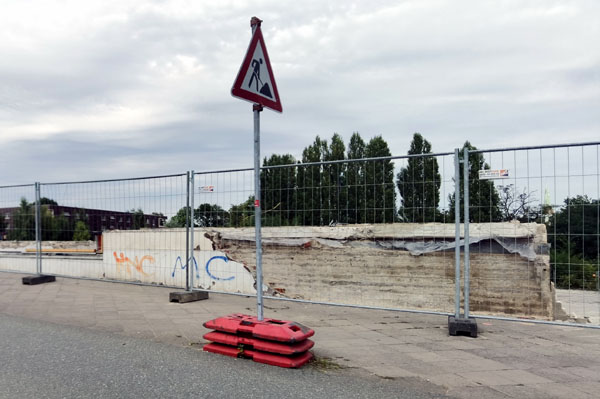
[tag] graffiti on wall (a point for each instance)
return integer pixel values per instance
(212, 275)
(123, 261)
(224, 258)
(184, 267)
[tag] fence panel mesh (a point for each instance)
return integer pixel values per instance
(540, 216)
(17, 228)
(369, 232)
(375, 232)
(128, 230)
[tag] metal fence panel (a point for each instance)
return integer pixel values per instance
(17, 228)
(377, 232)
(374, 232)
(545, 201)
(127, 230)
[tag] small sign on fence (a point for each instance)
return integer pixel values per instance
(207, 189)
(488, 174)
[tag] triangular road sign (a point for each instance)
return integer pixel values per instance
(255, 81)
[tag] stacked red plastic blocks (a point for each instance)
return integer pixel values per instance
(270, 341)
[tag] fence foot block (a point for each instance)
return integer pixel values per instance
(39, 279)
(462, 326)
(187, 296)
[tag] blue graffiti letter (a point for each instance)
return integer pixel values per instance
(215, 277)
(183, 267)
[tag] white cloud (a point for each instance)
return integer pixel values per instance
(136, 73)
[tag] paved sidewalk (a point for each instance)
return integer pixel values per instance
(581, 304)
(507, 360)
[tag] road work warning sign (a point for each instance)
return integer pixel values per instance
(255, 81)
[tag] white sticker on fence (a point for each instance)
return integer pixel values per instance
(487, 174)
(207, 189)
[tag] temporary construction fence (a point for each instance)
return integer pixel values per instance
(554, 190)
(375, 233)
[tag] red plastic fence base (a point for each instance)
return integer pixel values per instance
(295, 361)
(258, 344)
(270, 329)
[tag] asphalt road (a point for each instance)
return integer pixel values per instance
(44, 360)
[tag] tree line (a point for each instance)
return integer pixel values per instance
(332, 184)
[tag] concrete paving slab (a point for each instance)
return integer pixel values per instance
(562, 390)
(487, 378)
(479, 392)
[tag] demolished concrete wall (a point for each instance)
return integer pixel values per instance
(407, 266)
(401, 265)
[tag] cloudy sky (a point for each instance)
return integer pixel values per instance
(107, 89)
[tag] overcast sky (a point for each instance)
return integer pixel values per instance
(108, 89)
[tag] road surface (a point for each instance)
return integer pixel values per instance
(45, 360)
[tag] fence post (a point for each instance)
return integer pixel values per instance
(190, 269)
(188, 287)
(38, 230)
(457, 324)
(456, 233)
(467, 240)
(38, 278)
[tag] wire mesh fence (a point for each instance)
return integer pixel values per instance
(544, 203)
(17, 228)
(373, 232)
(378, 232)
(115, 229)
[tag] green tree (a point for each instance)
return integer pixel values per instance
(178, 220)
(82, 231)
(379, 181)
(419, 184)
(23, 222)
(61, 227)
(311, 200)
(334, 175)
(355, 178)
(242, 215)
(138, 219)
(574, 228)
(47, 201)
(278, 191)
(3, 225)
(210, 215)
(483, 198)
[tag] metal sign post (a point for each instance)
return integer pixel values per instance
(257, 222)
(255, 82)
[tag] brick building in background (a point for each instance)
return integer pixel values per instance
(97, 220)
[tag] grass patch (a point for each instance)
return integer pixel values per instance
(325, 363)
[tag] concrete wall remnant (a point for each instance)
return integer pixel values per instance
(401, 265)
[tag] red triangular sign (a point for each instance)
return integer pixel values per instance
(255, 81)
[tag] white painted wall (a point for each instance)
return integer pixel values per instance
(147, 256)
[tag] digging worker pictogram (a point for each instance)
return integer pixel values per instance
(256, 73)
